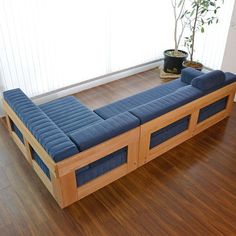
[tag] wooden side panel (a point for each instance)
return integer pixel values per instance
(193, 109)
(102, 181)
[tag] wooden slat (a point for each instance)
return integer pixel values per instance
(20, 145)
(43, 177)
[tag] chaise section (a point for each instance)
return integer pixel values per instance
(131, 102)
(69, 114)
(104, 130)
(53, 140)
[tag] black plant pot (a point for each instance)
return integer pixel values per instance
(174, 64)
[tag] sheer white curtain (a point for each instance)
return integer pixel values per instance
(49, 44)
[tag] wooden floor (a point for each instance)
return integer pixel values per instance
(191, 190)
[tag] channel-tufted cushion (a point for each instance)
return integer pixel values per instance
(131, 102)
(165, 104)
(101, 131)
(54, 141)
(69, 114)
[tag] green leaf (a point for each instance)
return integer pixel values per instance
(202, 30)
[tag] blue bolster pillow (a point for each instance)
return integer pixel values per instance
(209, 81)
(188, 74)
(99, 132)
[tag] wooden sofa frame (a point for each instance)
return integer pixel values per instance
(63, 185)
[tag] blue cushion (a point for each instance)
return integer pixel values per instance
(131, 102)
(53, 140)
(69, 114)
(209, 80)
(188, 74)
(101, 166)
(104, 130)
(165, 104)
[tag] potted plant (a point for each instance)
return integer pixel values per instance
(173, 58)
(203, 13)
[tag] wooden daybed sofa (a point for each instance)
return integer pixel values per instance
(76, 151)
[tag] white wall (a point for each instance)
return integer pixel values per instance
(229, 60)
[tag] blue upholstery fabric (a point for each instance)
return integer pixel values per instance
(165, 104)
(104, 130)
(101, 166)
(169, 131)
(209, 80)
(212, 109)
(41, 164)
(17, 131)
(69, 114)
(188, 74)
(54, 141)
(131, 102)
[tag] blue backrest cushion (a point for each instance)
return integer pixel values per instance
(209, 81)
(101, 131)
(167, 103)
(53, 140)
(188, 74)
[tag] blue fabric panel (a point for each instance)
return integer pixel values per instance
(101, 166)
(41, 164)
(69, 114)
(169, 131)
(188, 74)
(104, 130)
(17, 131)
(209, 80)
(54, 141)
(212, 109)
(165, 104)
(131, 102)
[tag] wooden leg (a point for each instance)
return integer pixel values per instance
(65, 189)
(9, 125)
(28, 151)
(230, 103)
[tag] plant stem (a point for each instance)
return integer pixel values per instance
(194, 31)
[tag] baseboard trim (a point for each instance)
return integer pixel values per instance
(46, 97)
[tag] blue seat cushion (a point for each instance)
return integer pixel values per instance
(69, 114)
(101, 166)
(167, 103)
(131, 102)
(188, 74)
(53, 140)
(104, 130)
(209, 81)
